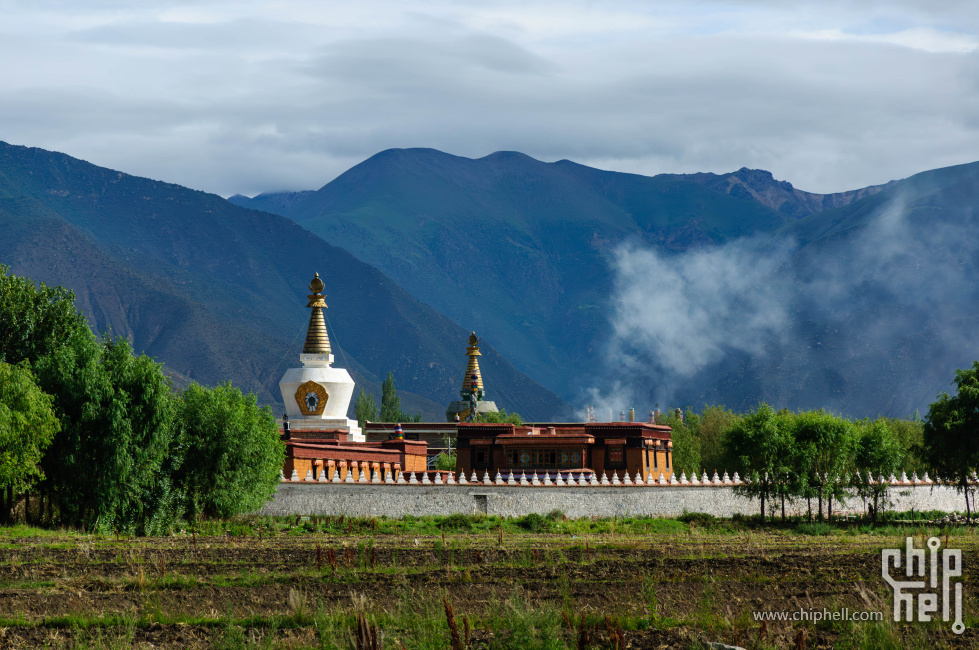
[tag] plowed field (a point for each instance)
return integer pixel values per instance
(294, 587)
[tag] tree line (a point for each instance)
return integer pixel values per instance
(100, 438)
(817, 456)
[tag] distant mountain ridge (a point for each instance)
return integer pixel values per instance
(217, 291)
(516, 247)
(526, 252)
(781, 196)
(873, 290)
(529, 240)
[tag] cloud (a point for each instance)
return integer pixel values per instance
(257, 97)
(924, 39)
(873, 319)
(675, 314)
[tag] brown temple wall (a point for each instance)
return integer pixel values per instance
(415, 463)
(597, 459)
(301, 465)
(499, 458)
(634, 461)
(356, 458)
(464, 460)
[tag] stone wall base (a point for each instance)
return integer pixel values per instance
(395, 501)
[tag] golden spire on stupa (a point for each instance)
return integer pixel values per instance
(317, 341)
(472, 368)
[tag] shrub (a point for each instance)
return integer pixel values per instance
(557, 515)
(815, 528)
(699, 518)
(456, 522)
(535, 523)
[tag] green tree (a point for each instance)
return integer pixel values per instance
(446, 461)
(825, 445)
(686, 444)
(698, 439)
(711, 428)
(951, 434)
(391, 405)
(36, 321)
(390, 402)
(365, 409)
(500, 417)
(116, 411)
(910, 436)
(27, 427)
(879, 453)
(229, 451)
(761, 442)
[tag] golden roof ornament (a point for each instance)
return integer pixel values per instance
(317, 341)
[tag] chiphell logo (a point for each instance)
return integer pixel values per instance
(926, 594)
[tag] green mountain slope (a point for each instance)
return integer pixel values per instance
(519, 249)
(867, 292)
(509, 246)
(878, 300)
(217, 292)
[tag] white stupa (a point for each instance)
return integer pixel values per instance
(318, 395)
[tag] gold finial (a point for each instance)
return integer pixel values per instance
(473, 349)
(317, 299)
(317, 341)
(316, 285)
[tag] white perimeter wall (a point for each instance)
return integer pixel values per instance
(375, 500)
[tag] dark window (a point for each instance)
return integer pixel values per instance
(482, 456)
(616, 455)
(547, 458)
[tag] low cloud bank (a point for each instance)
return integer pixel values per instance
(868, 321)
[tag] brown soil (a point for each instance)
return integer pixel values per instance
(173, 593)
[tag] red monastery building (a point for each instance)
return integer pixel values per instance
(560, 449)
(323, 444)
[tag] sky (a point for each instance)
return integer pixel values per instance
(251, 96)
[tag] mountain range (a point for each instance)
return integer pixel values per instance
(520, 248)
(537, 256)
(218, 292)
(598, 287)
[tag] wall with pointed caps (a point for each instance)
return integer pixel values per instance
(373, 500)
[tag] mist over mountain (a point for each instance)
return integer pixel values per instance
(514, 248)
(681, 289)
(217, 292)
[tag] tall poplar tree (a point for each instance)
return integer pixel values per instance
(27, 427)
(762, 443)
(227, 454)
(951, 434)
(364, 408)
(390, 402)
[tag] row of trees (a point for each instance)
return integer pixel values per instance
(100, 436)
(783, 455)
(812, 455)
